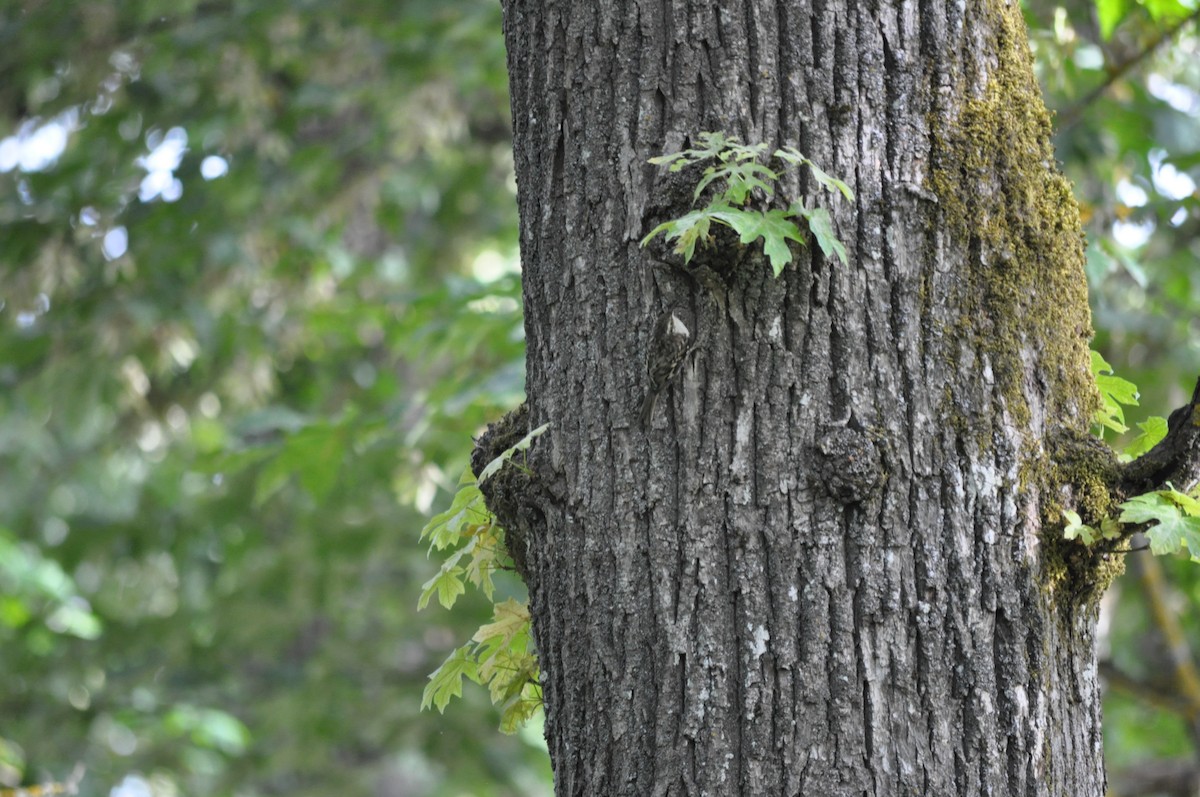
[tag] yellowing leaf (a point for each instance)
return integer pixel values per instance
(510, 618)
(508, 677)
(485, 558)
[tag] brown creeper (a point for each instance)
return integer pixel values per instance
(668, 350)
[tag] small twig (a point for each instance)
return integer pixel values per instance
(1074, 113)
(1185, 675)
(1123, 682)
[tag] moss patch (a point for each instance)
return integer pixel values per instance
(1079, 474)
(1024, 295)
(1023, 292)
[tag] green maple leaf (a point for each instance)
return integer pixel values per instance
(446, 681)
(1151, 432)
(1110, 13)
(1173, 530)
(519, 711)
(445, 528)
(496, 464)
(821, 226)
(687, 230)
(1115, 392)
(774, 227)
(741, 178)
(711, 146)
(1076, 529)
(830, 182)
(446, 583)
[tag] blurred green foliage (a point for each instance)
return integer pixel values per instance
(257, 291)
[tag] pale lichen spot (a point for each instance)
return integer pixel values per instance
(758, 642)
(775, 331)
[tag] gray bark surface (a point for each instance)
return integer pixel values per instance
(755, 595)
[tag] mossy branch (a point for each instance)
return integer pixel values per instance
(1174, 461)
(1110, 498)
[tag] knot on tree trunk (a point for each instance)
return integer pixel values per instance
(1086, 476)
(1080, 473)
(849, 464)
(512, 493)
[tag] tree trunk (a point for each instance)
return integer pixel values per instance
(830, 564)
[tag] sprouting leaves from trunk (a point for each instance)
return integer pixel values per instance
(731, 183)
(501, 654)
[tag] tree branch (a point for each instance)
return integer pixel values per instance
(1177, 778)
(1183, 667)
(1158, 696)
(1074, 113)
(1176, 458)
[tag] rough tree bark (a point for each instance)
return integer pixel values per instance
(830, 565)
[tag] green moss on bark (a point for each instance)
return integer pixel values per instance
(1024, 293)
(1077, 473)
